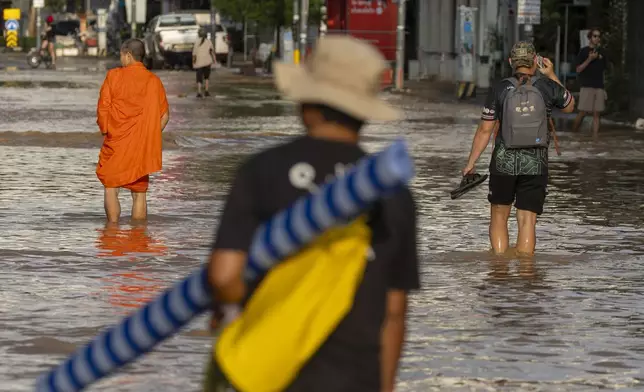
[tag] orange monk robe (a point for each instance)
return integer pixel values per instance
(129, 112)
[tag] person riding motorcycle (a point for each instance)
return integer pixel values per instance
(49, 39)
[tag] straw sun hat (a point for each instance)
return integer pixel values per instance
(342, 72)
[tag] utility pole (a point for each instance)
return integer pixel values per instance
(400, 45)
(565, 54)
(304, 20)
(528, 32)
(133, 18)
(38, 28)
(213, 25)
(323, 18)
(296, 42)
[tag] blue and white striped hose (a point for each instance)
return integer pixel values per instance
(338, 201)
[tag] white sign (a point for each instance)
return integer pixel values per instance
(140, 10)
(529, 12)
(101, 23)
(39, 4)
(581, 3)
(11, 25)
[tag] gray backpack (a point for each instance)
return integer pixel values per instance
(525, 116)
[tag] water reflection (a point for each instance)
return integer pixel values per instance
(521, 269)
(132, 242)
(135, 286)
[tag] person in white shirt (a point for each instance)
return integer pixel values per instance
(203, 56)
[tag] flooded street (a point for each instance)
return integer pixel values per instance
(571, 320)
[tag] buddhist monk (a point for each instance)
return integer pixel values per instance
(132, 112)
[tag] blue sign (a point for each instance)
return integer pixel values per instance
(11, 25)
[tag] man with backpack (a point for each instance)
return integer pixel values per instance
(521, 107)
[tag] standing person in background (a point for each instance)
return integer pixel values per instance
(49, 40)
(591, 66)
(203, 57)
(132, 112)
(521, 105)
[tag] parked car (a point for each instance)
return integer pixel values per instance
(169, 39)
(66, 27)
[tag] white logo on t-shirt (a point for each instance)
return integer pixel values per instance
(302, 176)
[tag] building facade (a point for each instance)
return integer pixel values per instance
(438, 46)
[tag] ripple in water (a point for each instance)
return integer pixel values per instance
(569, 321)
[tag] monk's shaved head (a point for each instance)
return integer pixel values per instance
(135, 47)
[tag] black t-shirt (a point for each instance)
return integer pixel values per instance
(271, 181)
(49, 33)
(526, 161)
(593, 75)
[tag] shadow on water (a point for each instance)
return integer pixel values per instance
(45, 84)
(444, 120)
(217, 170)
(242, 110)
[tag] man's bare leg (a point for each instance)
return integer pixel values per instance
(595, 124)
(499, 240)
(139, 206)
(527, 238)
(112, 205)
(580, 117)
(52, 53)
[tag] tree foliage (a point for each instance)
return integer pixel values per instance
(56, 5)
(265, 12)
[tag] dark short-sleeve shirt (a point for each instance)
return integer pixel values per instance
(526, 161)
(50, 34)
(593, 75)
(271, 181)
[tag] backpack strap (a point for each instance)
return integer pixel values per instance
(513, 80)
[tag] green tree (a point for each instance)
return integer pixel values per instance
(56, 5)
(265, 12)
(241, 10)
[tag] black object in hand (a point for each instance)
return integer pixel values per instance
(469, 182)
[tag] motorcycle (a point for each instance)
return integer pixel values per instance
(35, 57)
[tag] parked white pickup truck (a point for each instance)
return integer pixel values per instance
(169, 39)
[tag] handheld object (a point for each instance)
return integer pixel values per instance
(540, 61)
(339, 200)
(469, 182)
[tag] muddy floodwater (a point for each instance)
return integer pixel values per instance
(571, 320)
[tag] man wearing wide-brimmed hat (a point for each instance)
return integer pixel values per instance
(519, 171)
(337, 92)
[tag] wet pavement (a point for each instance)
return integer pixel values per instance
(571, 320)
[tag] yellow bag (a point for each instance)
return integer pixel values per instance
(294, 310)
